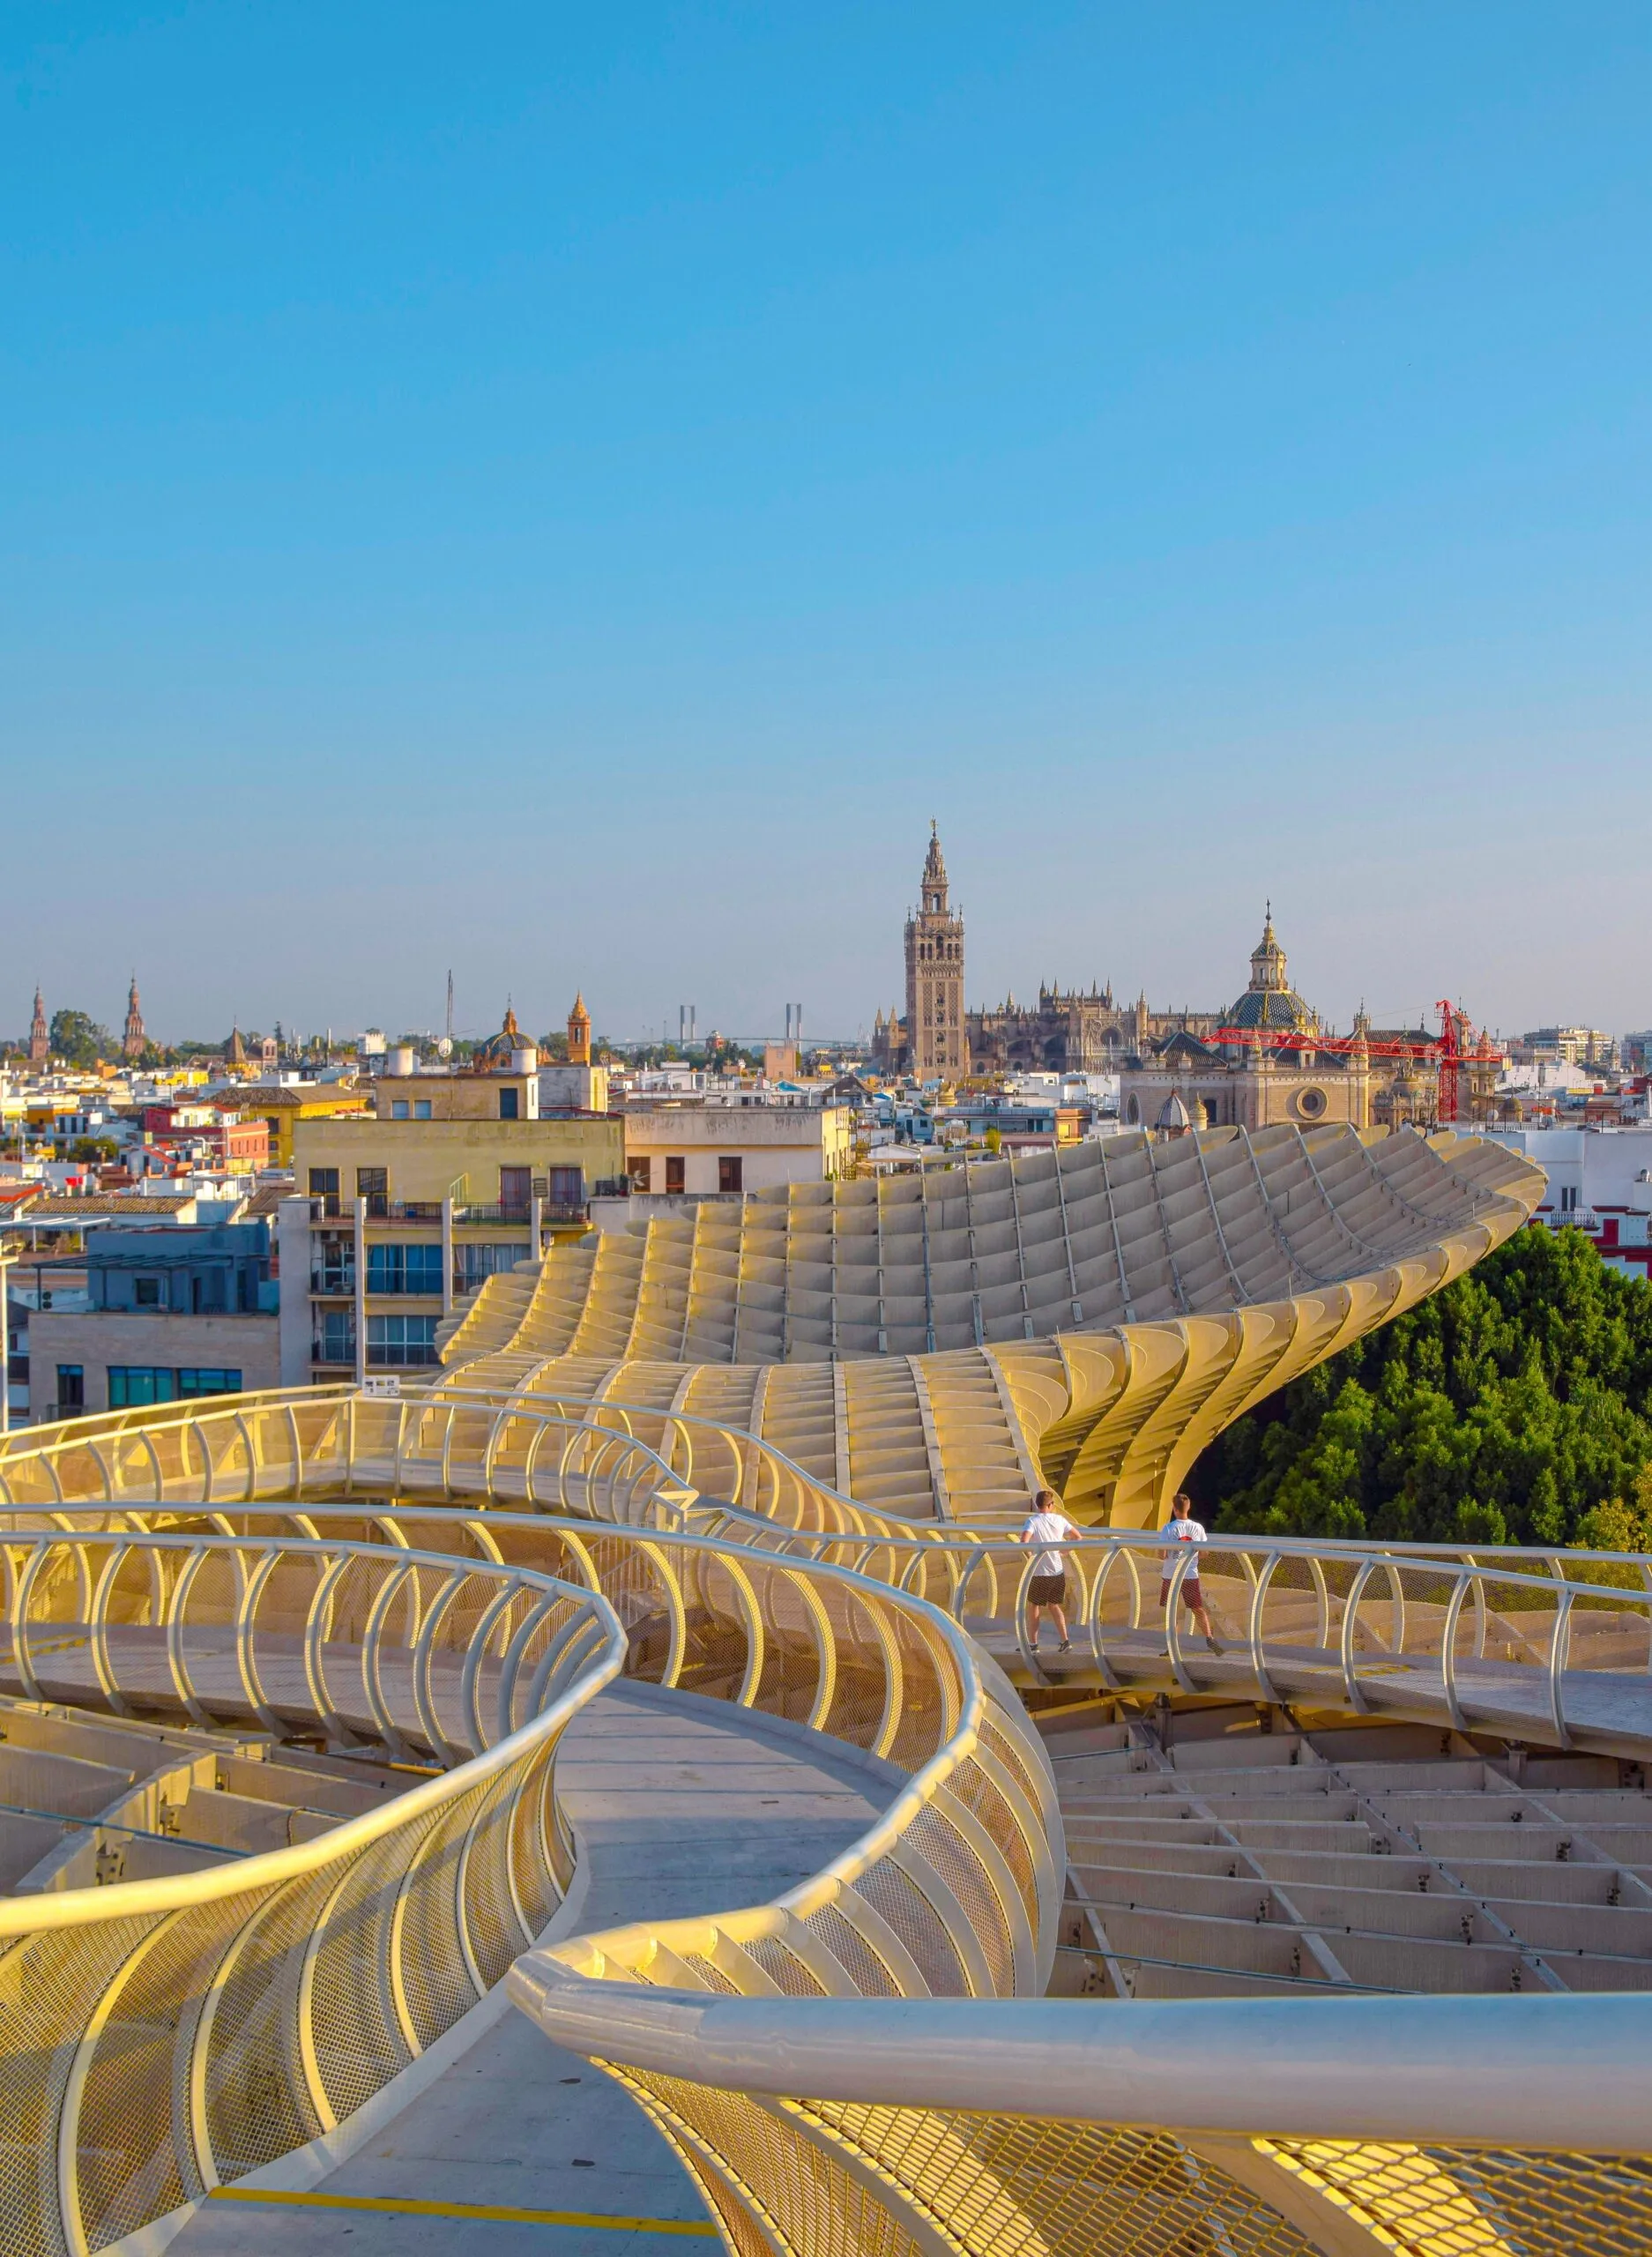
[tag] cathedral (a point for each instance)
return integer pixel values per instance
(1270, 1060)
(1064, 1032)
(1071, 1033)
(1267, 1059)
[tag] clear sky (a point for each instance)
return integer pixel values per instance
(566, 493)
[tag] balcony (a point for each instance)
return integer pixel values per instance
(403, 1358)
(551, 1210)
(339, 1207)
(336, 1281)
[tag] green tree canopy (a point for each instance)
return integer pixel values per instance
(1507, 1409)
(78, 1039)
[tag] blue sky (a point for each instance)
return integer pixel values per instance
(568, 494)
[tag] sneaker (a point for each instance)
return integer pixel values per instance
(1066, 1646)
(1214, 1642)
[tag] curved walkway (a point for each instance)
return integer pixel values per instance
(676, 1803)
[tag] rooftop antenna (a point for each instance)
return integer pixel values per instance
(450, 1007)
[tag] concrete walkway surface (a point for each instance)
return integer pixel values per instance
(680, 1805)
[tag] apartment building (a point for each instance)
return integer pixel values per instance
(168, 1315)
(281, 1106)
(1597, 1180)
(704, 1148)
(399, 1215)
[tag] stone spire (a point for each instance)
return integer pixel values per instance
(135, 1040)
(934, 874)
(39, 1034)
(579, 1033)
(1268, 961)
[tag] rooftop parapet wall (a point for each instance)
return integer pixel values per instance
(937, 1346)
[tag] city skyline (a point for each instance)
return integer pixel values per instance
(625, 478)
(478, 1020)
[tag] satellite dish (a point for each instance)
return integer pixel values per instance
(444, 1048)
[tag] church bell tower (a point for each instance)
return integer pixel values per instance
(135, 1040)
(935, 1036)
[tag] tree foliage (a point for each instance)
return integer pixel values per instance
(78, 1039)
(1513, 1407)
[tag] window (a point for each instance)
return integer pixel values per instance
(202, 1380)
(398, 1109)
(147, 1292)
(335, 1336)
(71, 1387)
(404, 1269)
(641, 1171)
(401, 1340)
(132, 1384)
(322, 1181)
(510, 1105)
(729, 1171)
(333, 1268)
(474, 1264)
(1568, 1199)
(421, 1108)
(373, 1185)
(674, 1173)
(567, 1187)
(516, 1189)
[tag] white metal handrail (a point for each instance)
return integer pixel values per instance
(540, 1451)
(1516, 2070)
(1499, 1642)
(210, 2019)
(442, 1646)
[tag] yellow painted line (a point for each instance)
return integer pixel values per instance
(497, 2213)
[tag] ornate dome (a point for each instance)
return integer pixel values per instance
(1270, 1002)
(494, 1055)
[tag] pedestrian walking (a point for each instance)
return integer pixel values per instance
(1182, 1528)
(1047, 1526)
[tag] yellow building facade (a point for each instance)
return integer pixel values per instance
(283, 1108)
(396, 1220)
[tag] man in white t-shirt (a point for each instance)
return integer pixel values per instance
(1182, 1528)
(1047, 1526)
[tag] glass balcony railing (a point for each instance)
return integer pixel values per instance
(339, 1207)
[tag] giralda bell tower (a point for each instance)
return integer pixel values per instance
(934, 979)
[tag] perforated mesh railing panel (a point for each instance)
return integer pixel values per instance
(159, 2037)
(1010, 2185)
(1475, 2200)
(817, 2204)
(228, 2019)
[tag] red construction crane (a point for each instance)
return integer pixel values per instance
(1455, 1046)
